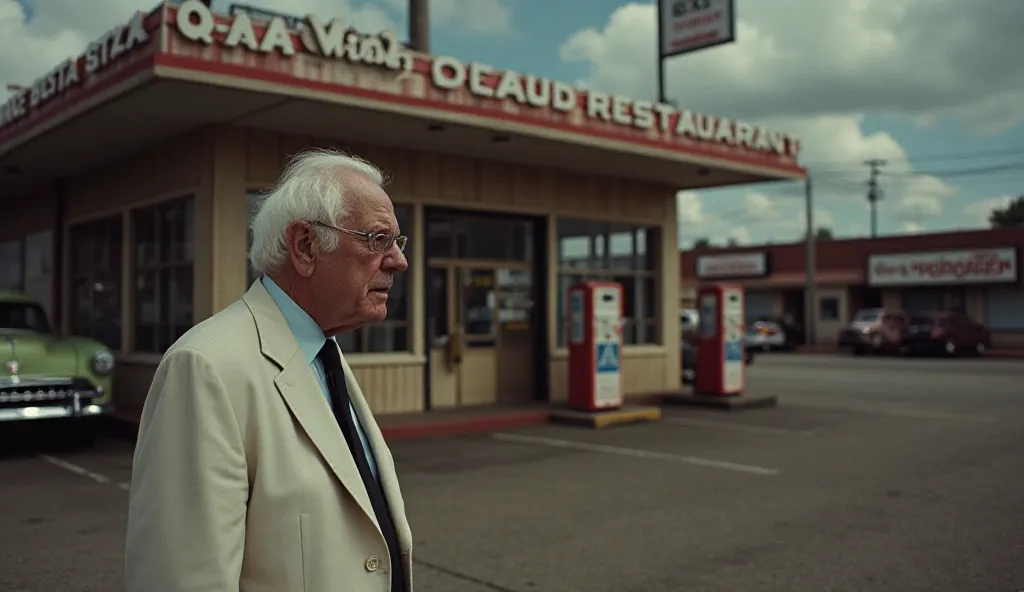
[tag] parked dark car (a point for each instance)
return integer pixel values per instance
(874, 330)
(947, 333)
(689, 360)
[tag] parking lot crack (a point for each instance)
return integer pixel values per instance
(462, 576)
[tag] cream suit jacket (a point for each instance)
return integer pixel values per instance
(242, 479)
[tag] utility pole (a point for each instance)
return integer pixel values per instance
(419, 25)
(810, 263)
(874, 193)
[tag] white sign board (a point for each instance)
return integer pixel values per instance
(969, 266)
(689, 25)
(732, 265)
(734, 328)
(608, 346)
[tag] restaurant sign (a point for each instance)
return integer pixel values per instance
(733, 265)
(72, 72)
(973, 266)
(338, 40)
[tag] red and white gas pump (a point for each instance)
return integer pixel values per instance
(595, 346)
(721, 341)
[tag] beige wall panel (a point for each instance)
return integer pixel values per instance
(642, 373)
(391, 388)
(167, 170)
(263, 157)
(28, 214)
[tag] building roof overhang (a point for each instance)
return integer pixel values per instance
(172, 84)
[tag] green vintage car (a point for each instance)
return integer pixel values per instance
(66, 381)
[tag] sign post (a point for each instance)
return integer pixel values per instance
(685, 26)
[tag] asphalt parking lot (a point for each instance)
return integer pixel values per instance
(873, 474)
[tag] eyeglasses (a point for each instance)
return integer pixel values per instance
(378, 242)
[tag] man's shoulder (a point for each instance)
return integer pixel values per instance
(222, 336)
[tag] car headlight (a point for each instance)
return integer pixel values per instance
(102, 362)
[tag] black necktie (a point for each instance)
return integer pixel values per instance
(341, 403)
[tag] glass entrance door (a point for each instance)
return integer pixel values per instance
(481, 345)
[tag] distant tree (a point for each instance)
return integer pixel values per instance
(732, 243)
(824, 234)
(702, 243)
(1011, 216)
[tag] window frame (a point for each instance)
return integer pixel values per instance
(648, 272)
(98, 227)
(163, 264)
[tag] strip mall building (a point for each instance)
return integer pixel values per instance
(976, 272)
(128, 174)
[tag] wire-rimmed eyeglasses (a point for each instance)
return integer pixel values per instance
(378, 241)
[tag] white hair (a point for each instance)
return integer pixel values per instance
(309, 189)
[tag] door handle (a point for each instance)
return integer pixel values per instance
(454, 348)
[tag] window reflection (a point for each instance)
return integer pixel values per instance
(589, 250)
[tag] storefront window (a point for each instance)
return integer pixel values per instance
(11, 265)
(96, 280)
(621, 253)
(162, 248)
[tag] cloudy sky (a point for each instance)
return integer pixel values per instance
(935, 87)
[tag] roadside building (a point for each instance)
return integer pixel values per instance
(127, 177)
(977, 272)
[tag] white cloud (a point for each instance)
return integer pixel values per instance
(977, 213)
(912, 228)
(814, 69)
(906, 57)
(757, 218)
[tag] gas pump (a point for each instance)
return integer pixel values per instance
(721, 341)
(595, 346)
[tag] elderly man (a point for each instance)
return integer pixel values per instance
(259, 466)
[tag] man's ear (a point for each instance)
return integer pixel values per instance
(300, 240)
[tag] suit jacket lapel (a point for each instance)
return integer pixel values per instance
(385, 463)
(302, 394)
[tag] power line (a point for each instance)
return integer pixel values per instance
(931, 158)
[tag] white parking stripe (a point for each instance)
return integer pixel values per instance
(635, 453)
(888, 412)
(75, 469)
(738, 427)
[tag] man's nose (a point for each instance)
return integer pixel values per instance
(395, 260)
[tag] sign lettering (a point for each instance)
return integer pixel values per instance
(71, 72)
(335, 40)
(733, 265)
(944, 267)
(330, 39)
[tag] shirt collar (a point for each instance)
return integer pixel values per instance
(309, 335)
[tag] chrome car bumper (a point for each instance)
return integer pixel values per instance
(29, 399)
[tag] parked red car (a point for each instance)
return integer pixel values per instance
(948, 333)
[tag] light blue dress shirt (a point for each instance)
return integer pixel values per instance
(311, 339)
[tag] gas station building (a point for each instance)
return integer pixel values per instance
(127, 176)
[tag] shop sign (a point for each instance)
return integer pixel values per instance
(732, 265)
(335, 40)
(973, 266)
(332, 39)
(73, 71)
(448, 73)
(690, 25)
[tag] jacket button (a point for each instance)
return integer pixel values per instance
(372, 563)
